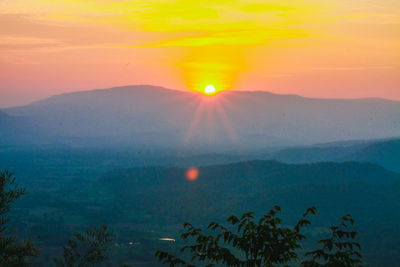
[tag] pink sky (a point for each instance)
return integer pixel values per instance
(327, 49)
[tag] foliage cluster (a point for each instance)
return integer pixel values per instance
(267, 242)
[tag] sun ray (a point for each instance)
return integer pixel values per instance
(211, 119)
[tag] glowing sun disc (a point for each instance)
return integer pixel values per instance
(210, 89)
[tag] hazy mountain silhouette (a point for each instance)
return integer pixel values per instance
(20, 130)
(155, 116)
(383, 152)
(3, 115)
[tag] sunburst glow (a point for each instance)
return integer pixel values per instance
(209, 90)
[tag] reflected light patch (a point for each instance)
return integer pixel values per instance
(167, 239)
(192, 174)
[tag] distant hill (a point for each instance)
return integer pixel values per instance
(369, 192)
(382, 152)
(234, 184)
(22, 131)
(3, 116)
(158, 117)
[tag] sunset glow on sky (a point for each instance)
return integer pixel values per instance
(328, 49)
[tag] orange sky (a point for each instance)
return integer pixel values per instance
(340, 49)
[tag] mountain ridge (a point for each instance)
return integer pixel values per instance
(153, 115)
(140, 87)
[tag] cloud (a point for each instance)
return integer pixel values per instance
(346, 68)
(219, 21)
(277, 75)
(18, 42)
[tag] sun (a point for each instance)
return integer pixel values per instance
(209, 90)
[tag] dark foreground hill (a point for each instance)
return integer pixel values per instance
(145, 204)
(149, 116)
(167, 187)
(369, 192)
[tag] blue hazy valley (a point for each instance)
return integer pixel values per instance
(119, 157)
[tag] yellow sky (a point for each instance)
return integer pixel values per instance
(312, 48)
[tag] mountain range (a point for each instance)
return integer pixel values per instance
(151, 116)
(119, 156)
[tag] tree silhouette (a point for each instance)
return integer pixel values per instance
(13, 252)
(338, 250)
(86, 249)
(263, 243)
(252, 244)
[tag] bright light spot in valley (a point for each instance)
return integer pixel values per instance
(167, 239)
(192, 174)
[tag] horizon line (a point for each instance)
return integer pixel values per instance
(199, 93)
